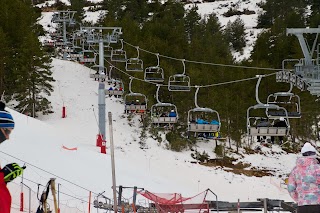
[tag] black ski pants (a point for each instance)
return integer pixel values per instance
(309, 209)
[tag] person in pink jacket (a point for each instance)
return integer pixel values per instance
(304, 181)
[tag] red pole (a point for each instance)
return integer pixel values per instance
(89, 201)
(99, 140)
(21, 202)
(103, 147)
(64, 112)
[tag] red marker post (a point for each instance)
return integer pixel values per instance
(64, 112)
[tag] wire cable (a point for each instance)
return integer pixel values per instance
(192, 86)
(205, 63)
(48, 172)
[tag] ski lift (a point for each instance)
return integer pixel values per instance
(263, 125)
(119, 55)
(134, 64)
(179, 82)
(59, 43)
(107, 205)
(68, 48)
(88, 56)
(76, 54)
(107, 50)
(154, 73)
(115, 87)
(203, 121)
(135, 102)
(163, 113)
(288, 100)
(99, 72)
(308, 67)
(48, 43)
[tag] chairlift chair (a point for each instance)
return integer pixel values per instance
(76, 54)
(119, 55)
(179, 82)
(154, 73)
(59, 43)
(68, 48)
(163, 113)
(88, 56)
(135, 102)
(107, 51)
(134, 64)
(48, 43)
(198, 123)
(203, 120)
(262, 125)
(288, 100)
(115, 88)
(266, 126)
(98, 72)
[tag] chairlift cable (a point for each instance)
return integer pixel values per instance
(206, 63)
(163, 85)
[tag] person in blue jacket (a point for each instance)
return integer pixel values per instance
(172, 113)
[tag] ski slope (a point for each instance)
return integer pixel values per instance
(39, 142)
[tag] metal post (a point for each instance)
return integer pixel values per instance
(29, 196)
(120, 195)
(115, 206)
(102, 110)
(59, 197)
(265, 205)
(64, 39)
(101, 55)
(134, 195)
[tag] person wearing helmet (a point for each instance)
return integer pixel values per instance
(12, 170)
(304, 180)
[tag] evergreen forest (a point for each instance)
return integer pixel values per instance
(171, 30)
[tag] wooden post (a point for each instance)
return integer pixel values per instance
(53, 190)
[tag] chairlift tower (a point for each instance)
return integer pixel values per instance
(308, 68)
(64, 17)
(101, 35)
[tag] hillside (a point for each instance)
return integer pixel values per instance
(65, 148)
(153, 168)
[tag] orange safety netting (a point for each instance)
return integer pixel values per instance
(175, 202)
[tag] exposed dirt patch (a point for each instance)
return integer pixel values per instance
(228, 164)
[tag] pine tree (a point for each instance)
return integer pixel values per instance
(78, 5)
(235, 34)
(33, 78)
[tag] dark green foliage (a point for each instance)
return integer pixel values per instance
(25, 75)
(235, 34)
(176, 142)
(275, 9)
(77, 5)
(219, 150)
(202, 157)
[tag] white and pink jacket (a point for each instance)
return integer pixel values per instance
(304, 181)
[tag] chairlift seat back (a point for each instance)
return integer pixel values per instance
(134, 65)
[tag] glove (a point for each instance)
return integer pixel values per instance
(11, 171)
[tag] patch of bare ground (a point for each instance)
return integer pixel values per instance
(228, 164)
